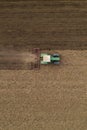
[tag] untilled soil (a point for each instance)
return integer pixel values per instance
(46, 24)
(52, 98)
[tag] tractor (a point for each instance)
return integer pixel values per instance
(44, 58)
(49, 58)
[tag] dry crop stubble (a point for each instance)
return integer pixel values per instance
(49, 98)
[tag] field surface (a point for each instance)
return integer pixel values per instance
(51, 24)
(52, 98)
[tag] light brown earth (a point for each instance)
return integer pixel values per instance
(52, 98)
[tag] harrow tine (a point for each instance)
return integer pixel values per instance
(36, 65)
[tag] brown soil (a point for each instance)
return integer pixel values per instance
(39, 23)
(15, 56)
(52, 98)
(28, 57)
(10, 59)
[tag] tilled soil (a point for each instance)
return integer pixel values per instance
(15, 56)
(10, 59)
(54, 97)
(46, 24)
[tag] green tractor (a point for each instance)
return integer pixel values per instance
(49, 58)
